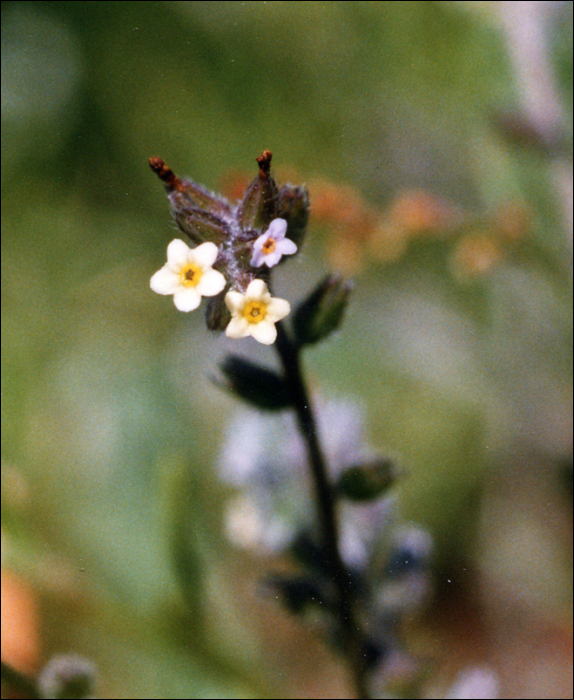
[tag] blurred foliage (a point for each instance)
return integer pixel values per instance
(457, 339)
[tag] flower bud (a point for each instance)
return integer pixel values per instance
(366, 482)
(198, 224)
(200, 214)
(259, 386)
(189, 192)
(321, 313)
(259, 205)
(217, 315)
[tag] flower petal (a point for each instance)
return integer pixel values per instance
(205, 254)
(211, 283)
(235, 301)
(177, 254)
(286, 247)
(277, 229)
(238, 327)
(265, 332)
(277, 309)
(258, 257)
(187, 298)
(165, 281)
(261, 241)
(271, 259)
(257, 291)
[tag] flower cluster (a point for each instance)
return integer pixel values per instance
(309, 488)
(236, 247)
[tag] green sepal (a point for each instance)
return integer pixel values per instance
(322, 312)
(257, 385)
(366, 482)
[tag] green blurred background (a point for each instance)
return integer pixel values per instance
(111, 505)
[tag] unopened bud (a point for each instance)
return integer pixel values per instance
(259, 205)
(217, 315)
(191, 193)
(321, 313)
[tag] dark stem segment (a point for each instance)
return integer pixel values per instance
(290, 358)
(19, 682)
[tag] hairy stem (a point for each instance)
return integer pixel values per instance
(290, 359)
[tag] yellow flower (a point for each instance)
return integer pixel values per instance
(188, 275)
(255, 313)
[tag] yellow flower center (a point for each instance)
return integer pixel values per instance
(268, 246)
(255, 311)
(190, 275)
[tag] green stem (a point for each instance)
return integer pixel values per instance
(290, 359)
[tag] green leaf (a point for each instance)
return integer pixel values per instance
(257, 385)
(322, 312)
(366, 482)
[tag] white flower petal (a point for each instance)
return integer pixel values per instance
(277, 309)
(235, 301)
(286, 247)
(261, 241)
(211, 283)
(257, 291)
(271, 259)
(165, 281)
(177, 254)
(277, 229)
(205, 254)
(187, 298)
(238, 327)
(264, 332)
(258, 257)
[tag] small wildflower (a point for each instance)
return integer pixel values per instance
(188, 275)
(477, 682)
(269, 248)
(255, 313)
(67, 676)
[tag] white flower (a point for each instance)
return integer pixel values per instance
(266, 458)
(188, 275)
(255, 313)
(475, 683)
(272, 245)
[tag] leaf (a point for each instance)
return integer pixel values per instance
(257, 385)
(322, 312)
(366, 482)
(298, 592)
